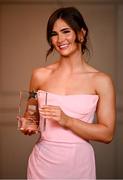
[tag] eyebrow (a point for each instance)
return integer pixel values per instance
(63, 29)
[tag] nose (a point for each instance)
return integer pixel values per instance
(60, 38)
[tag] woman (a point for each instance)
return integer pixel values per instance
(69, 93)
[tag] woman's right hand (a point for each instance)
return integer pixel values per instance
(26, 128)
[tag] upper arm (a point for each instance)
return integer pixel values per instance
(33, 81)
(106, 108)
(36, 79)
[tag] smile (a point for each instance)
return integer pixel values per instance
(64, 46)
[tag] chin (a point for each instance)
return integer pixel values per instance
(66, 54)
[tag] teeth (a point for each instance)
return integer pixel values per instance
(63, 46)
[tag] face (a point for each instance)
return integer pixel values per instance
(63, 38)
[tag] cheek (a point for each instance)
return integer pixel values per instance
(71, 38)
(53, 40)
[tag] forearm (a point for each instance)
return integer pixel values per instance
(102, 131)
(88, 131)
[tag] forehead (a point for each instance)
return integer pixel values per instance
(60, 24)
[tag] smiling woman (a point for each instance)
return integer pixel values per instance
(72, 21)
(63, 38)
(69, 93)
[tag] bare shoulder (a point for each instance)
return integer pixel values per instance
(43, 72)
(40, 76)
(39, 72)
(103, 83)
(99, 77)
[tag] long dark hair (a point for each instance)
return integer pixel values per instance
(74, 19)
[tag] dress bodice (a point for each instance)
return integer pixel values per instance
(78, 106)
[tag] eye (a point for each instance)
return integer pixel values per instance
(53, 33)
(66, 31)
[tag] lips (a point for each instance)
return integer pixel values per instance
(63, 46)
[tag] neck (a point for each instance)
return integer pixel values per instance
(73, 62)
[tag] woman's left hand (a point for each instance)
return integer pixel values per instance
(54, 113)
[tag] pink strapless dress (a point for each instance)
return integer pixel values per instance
(60, 154)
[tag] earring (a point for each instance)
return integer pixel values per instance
(81, 40)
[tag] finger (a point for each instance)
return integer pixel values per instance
(49, 110)
(28, 131)
(50, 107)
(51, 117)
(49, 114)
(53, 113)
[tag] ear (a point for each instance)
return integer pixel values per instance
(82, 34)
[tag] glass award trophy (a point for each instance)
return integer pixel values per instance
(28, 113)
